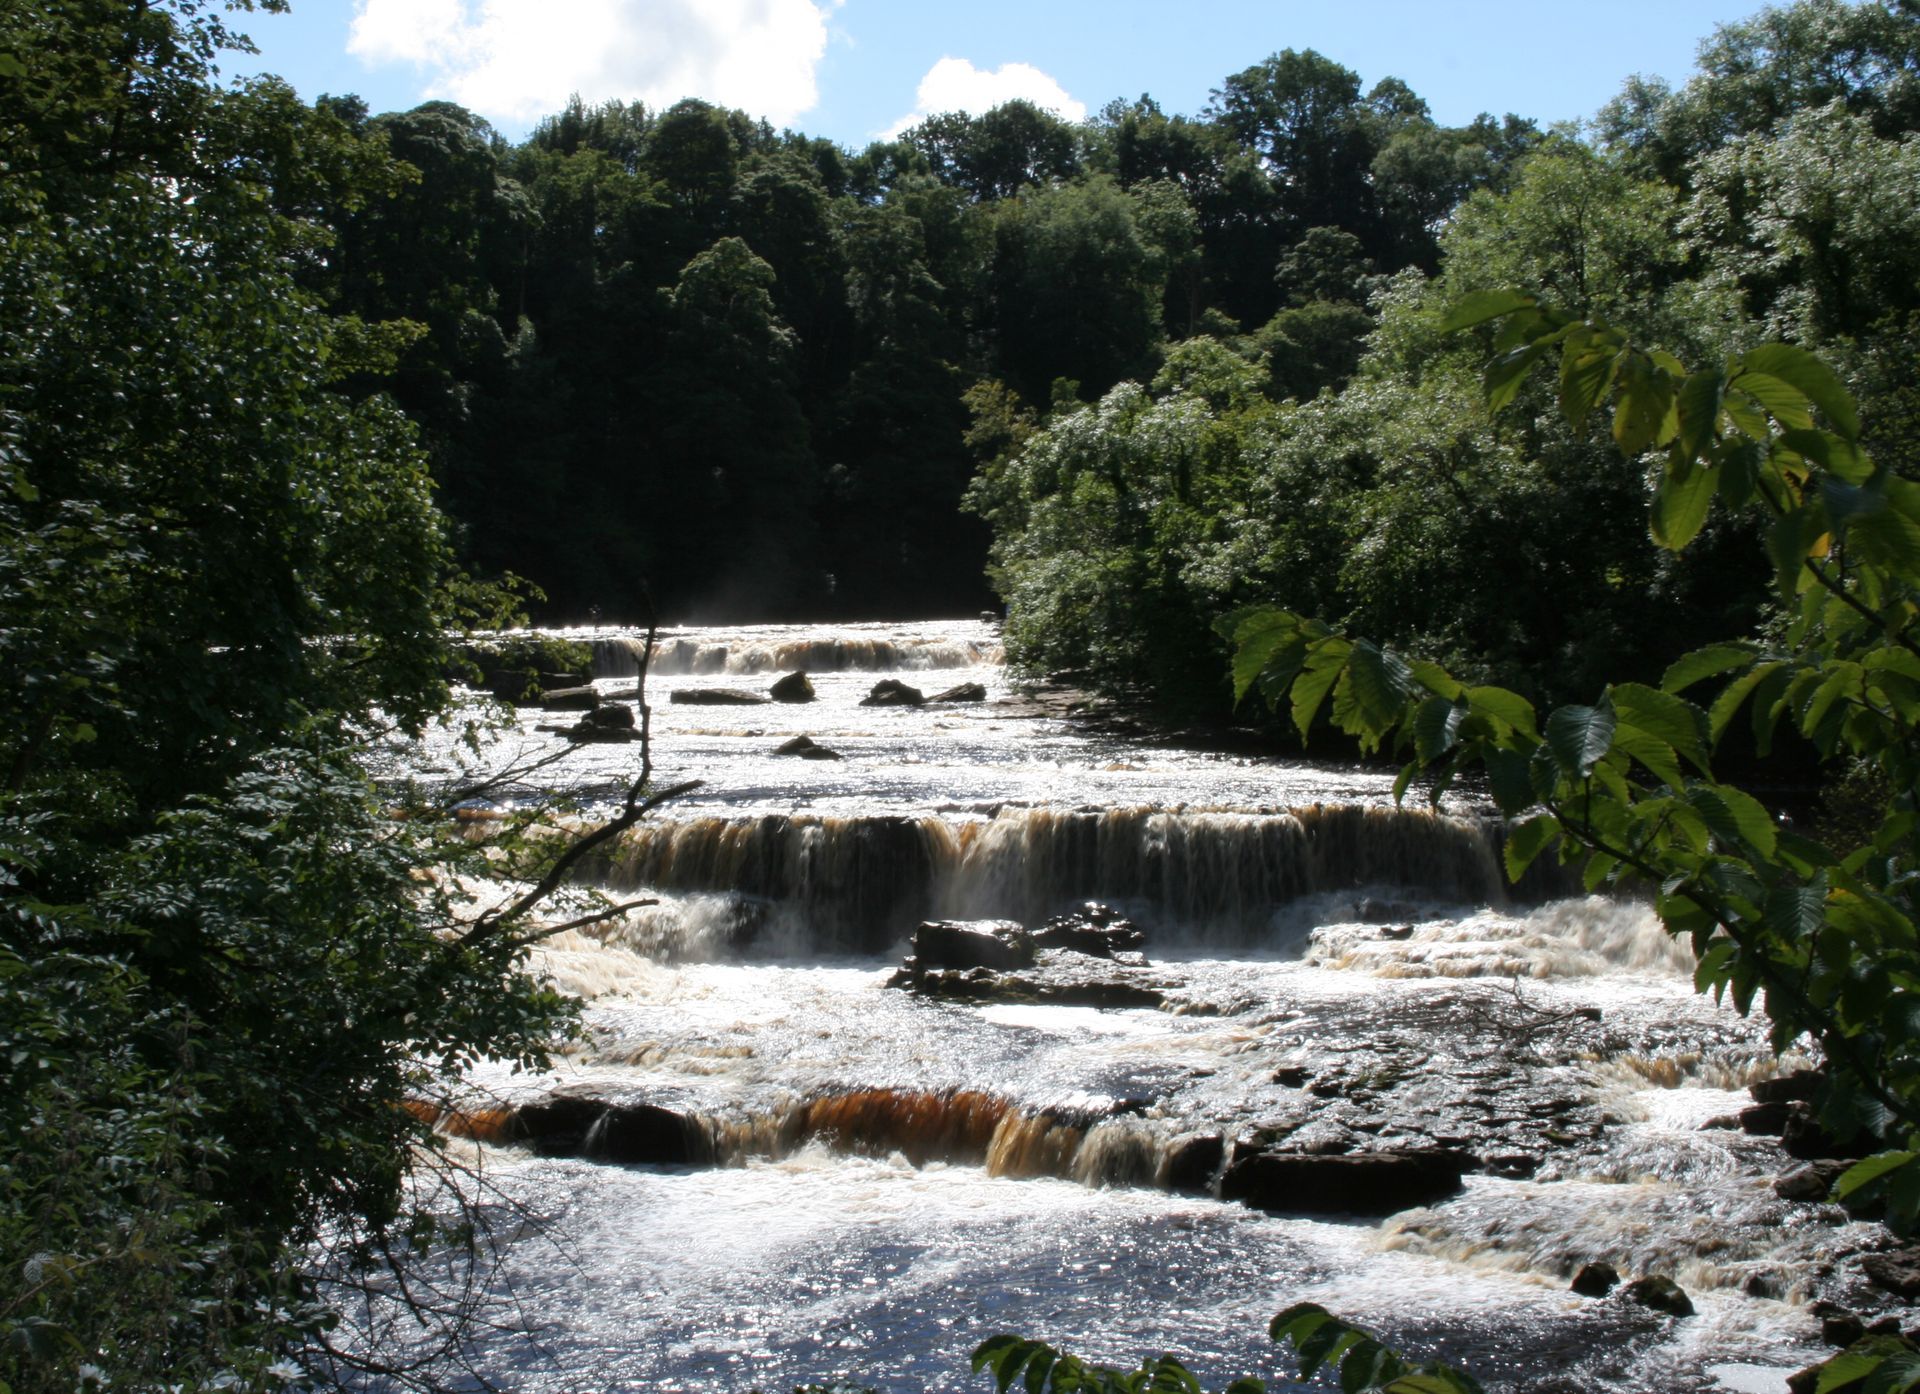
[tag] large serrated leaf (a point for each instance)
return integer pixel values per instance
(1509, 708)
(1674, 720)
(1681, 503)
(1584, 375)
(1735, 817)
(1705, 663)
(1811, 378)
(1322, 670)
(1482, 306)
(1580, 738)
(1527, 841)
(1699, 403)
(1781, 400)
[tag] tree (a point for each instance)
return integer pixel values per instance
(1823, 935)
(224, 968)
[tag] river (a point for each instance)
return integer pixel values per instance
(783, 1168)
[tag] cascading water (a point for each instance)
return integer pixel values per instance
(769, 1165)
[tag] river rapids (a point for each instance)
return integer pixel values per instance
(768, 1162)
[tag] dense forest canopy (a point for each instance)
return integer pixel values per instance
(1171, 363)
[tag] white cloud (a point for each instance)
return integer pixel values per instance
(517, 60)
(954, 84)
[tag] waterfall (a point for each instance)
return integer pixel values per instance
(862, 883)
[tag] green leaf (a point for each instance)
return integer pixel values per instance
(1660, 714)
(1680, 504)
(1527, 841)
(11, 66)
(1381, 683)
(1699, 403)
(1580, 738)
(1727, 705)
(1482, 306)
(1706, 663)
(1735, 817)
(1511, 784)
(1865, 1173)
(1584, 376)
(1642, 406)
(1505, 375)
(1811, 378)
(1781, 400)
(1324, 666)
(1509, 708)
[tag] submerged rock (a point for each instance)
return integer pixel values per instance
(1595, 1279)
(1814, 1181)
(1797, 1086)
(632, 1134)
(1659, 1294)
(891, 692)
(806, 748)
(1192, 1162)
(718, 697)
(794, 687)
(965, 692)
(1358, 1183)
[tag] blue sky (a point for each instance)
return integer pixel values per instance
(857, 68)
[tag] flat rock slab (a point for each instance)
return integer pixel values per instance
(718, 697)
(1360, 1183)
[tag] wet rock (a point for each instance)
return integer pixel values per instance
(1094, 929)
(610, 718)
(1886, 1326)
(1513, 1166)
(1804, 1381)
(1396, 931)
(1765, 1120)
(1365, 1183)
(806, 748)
(1193, 1161)
(1797, 1086)
(1842, 1331)
(891, 692)
(569, 699)
(999, 944)
(1659, 1294)
(1371, 911)
(1595, 1279)
(1814, 1181)
(633, 1134)
(1293, 1076)
(965, 692)
(1806, 1139)
(1896, 1271)
(794, 687)
(717, 697)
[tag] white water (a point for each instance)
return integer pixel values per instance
(817, 1251)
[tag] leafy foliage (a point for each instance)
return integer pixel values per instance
(1824, 936)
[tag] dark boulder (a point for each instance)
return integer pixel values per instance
(1842, 1329)
(610, 718)
(717, 697)
(1595, 1279)
(794, 687)
(1192, 1162)
(1659, 1294)
(965, 692)
(998, 944)
(1896, 1271)
(1093, 928)
(1805, 1139)
(1814, 1181)
(1797, 1086)
(891, 692)
(1765, 1120)
(1360, 1183)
